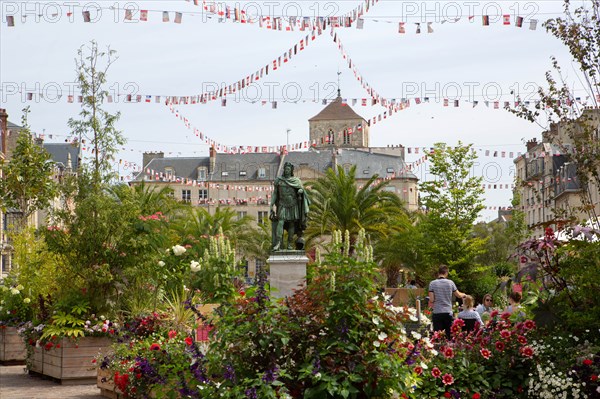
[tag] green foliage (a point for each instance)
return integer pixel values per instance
(15, 305)
(96, 125)
(453, 202)
(26, 182)
(333, 339)
(337, 203)
(403, 249)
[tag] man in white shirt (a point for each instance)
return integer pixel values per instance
(441, 291)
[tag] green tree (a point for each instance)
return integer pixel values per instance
(452, 203)
(338, 203)
(96, 125)
(403, 249)
(27, 183)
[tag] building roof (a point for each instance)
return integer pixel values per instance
(336, 110)
(245, 167)
(59, 152)
(12, 126)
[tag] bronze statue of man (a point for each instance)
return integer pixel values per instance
(291, 203)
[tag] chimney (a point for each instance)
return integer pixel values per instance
(531, 143)
(3, 129)
(149, 156)
(213, 160)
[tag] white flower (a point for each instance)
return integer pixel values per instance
(20, 287)
(415, 335)
(376, 320)
(195, 266)
(382, 335)
(161, 263)
(178, 250)
(26, 300)
(14, 291)
(377, 344)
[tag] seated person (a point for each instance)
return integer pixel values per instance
(469, 315)
(486, 305)
(514, 307)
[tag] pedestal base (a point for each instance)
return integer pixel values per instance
(288, 272)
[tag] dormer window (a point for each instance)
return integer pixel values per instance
(202, 171)
(262, 173)
(169, 173)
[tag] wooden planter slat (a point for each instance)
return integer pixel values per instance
(71, 363)
(12, 347)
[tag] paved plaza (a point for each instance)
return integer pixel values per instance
(15, 383)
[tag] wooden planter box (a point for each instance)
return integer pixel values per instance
(12, 347)
(71, 363)
(107, 386)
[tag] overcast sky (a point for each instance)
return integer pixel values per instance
(461, 59)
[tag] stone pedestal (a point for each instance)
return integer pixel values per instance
(288, 272)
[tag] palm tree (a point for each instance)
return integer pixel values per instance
(196, 222)
(337, 203)
(402, 250)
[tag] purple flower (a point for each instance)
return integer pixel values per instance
(270, 375)
(229, 373)
(251, 393)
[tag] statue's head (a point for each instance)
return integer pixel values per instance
(288, 169)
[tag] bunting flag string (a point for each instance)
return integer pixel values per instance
(251, 78)
(235, 149)
(393, 104)
(237, 14)
(505, 19)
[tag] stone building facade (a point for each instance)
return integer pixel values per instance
(549, 185)
(340, 137)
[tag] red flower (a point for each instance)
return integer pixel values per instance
(505, 334)
(549, 232)
(447, 395)
(527, 351)
(587, 362)
(523, 259)
(499, 346)
(485, 353)
(172, 334)
(529, 324)
(476, 395)
(188, 341)
(155, 347)
(494, 314)
(505, 315)
(449, 353)
(435, 372)
(419, 370)
(522, 340)
(447, 379)
(594, 377)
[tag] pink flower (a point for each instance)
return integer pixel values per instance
(436, 373)
(449, 353)
(172, 334)
(529, 324)
(419, 370)
(447, 379)
(485, 353)
(527, 351)
(500, 346)
(505, 315)
(505, 334)
(494, 314)
(522, 340)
